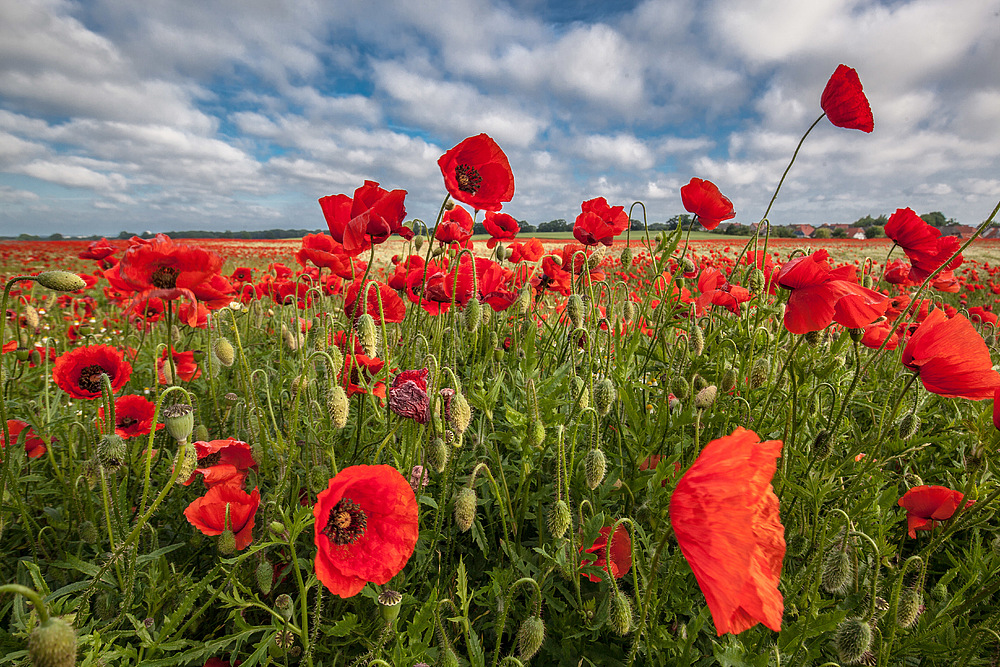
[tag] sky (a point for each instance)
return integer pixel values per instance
(159, 115)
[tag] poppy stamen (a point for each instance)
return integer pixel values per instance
(469, 179)
(125, 422)
(210, 460)
(165, 277)
(90, 378)
(347, 523)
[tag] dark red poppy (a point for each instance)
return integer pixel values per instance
(726, 519)
(352, 375)
(78, 372)
(951, 358)
(821, 295)
(392, 308)
(844, 101)
(223, 462)
(370, 217)
(500, 227)
(703, 199)
(34, 446)
(408, 395)
(621, 553)
(184, 364)
(455, 227)
(599, 222)
(365, 528)
(927, 505)
(208, 513)
(133, 416)
(165, 269)
(476, 172)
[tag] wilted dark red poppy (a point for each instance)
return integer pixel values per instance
(208, 513)
(222, 462)
(726, 518)
(821, 295)
(408, 395)
(455, 227)
(165, 269)
(844, 101)
(599, 222)
(951, 358)
(78, 372)
(927, 505)
(370, 217)
(621, 553)
(476, 172)
(703, 199)
(133, 416)
(365, 528)
(185, 366)
(34, 446)
(500, 227)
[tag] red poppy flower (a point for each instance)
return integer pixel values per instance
(408, 396)
(703, 199)
(370, 217)
(366, 528)
(531, 251)
(621, 553)
(208, 513)
(500, 227)
(184, 365)
(821, 295)
(599, 223)
(98, 250)
(476, 172)
(716, 290)
(455, 227)
(927, 505)
(78, 372)
(324, 252)
(133, 416)
(951, 358)
(922, 243)
(242, 274)
(392, 305)
(725, 515)
(844, 101)
(34, 446)
(222, 462)
(352, 375)
(166, 269)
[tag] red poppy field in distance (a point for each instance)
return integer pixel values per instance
(400, 445)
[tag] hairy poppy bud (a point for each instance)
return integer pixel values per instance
(179, 419)
(30, 316)
(575, 311)
(759, 372)
(437, 454)
(853, 639)
(620, 613)
(536, 434)
(705, 398)
(224, 351)
(461, 413)
(559, 519)
(595, 466)
(367, 334)
(838, 569)
(111, 450)
(530, 637)
(580, 393)
(823, 445)
(319, 477)
(678, 387)
(465, 508)
(605, 394)
(227, 542)
(52, 644)
(523, 303)
(264, 573)
(60, 281)
(88, 532)
(910, 602)
(814, 338)
(626, 258)
(696, 343)
(388, 605)
(418, 241)
(756, 281)
(186, 465)
(867, 281)
(728, 382)
(629, 310)
(337, 406)
(200, 433)
(446, 655)
(939, 593)
(472, 315)
(908, 426)
(688, 267)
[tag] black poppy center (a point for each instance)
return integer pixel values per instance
(165, 277)
(347, 523)
(125, 422)
(210, 460)
(90, 378)
(469, 180)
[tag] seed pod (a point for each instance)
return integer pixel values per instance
(437, 455)
(853, 639)
(523, 303)
(418, 241)
(620, 613)
(814, 338)
(575, 310)
(465, 508)
(679, 388)
(728, 382)
(705, 398)
(283, 605)
(264, 573)
(908, 426)
(530, 637)
(910, 602)
(595, 467)
(759, 372)
(559, 519)
(52, 644)
(337, 406)
(688, 267)
(179, 419)
(388, 605)
(472, 315)
(224, 351)
(605, 394)
(367, 335)
(200, 433)
(838, 570)
(227, 542)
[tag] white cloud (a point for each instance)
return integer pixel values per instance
(621, 150)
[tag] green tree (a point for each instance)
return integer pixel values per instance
(822, 233)
(935, 218)
(839, 233)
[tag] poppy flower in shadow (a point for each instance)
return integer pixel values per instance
(621, 553)
(34, 446)
(844, 101)
(926, 506)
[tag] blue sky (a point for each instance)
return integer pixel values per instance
(239, 114)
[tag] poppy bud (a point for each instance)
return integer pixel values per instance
(388, 605)
(620, 613)
(559, 519)
(822, 444)
(756, 281)
(696, 343)
(319, 477)
(910, 602)
(472, 315)
(626, 258)
(283, 604)
(224, 351)
(939, 593)
(447, 657)
(595, 466)
(867, 281)
(814, 338)
(629, 311)
(678, 387)
(60, 281)
(853, 639)
(465, 508)
(111, 450)
(292, 340)
(523, 303)
(52, 644)
(461, 413)
(728, 380)
(838, 569)
(88, 532)
(30, 316)
(264, 575)
(536, 434)
(418, 241)
(186, 465)
(367, 334)
(605, 394)
(705, 398)
(22, 353)
(688, 267)
(227, 542)
(437, 454)
(908, 426)
(200, 433)
(277, 528)
(574, 310)
(759, 372)
(530, 637)
(580, 390)
(337, 406)
(179, 419)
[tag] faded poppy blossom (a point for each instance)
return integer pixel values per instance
(951, 358)
(408, 395)
(476, 172)
(927, 505)
(208, 513)
(34, 446)
(844, 101)
(133, 416)
(366, 528)
(621, 553)
(78, 372)
(725, 515)
(703, 199)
